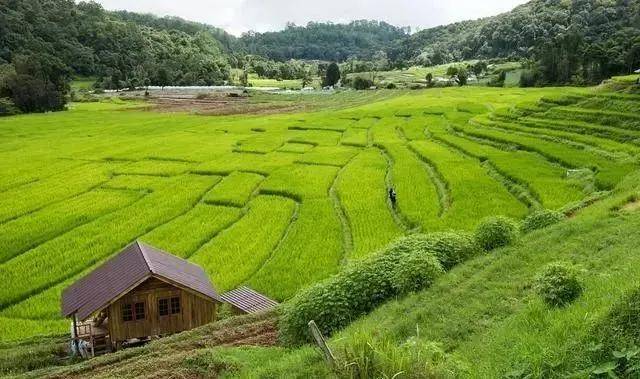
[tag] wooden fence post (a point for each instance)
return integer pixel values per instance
(322, 344)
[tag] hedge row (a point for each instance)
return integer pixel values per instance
(409, 264)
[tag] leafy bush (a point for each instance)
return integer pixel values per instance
(529, 78)
(417, 271)
(558, 285)
(391, 86)
(616, 339)
(355, 291)
(7, 107)
(495, 232)
(540, 219)
(449, 248)
(499, 80)
(360, 83)
(620, 326)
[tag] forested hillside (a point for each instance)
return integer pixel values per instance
(570, 40)
(325, 41)
(44, 42)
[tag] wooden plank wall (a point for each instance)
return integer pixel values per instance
(194, 311)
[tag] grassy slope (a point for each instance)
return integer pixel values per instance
(487, 319)
(483, 314)
(491, 296)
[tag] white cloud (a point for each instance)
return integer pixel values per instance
(238, 16)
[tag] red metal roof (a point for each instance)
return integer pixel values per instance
(133, 265)
(248, 300)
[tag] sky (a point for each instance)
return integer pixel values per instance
(239, 16)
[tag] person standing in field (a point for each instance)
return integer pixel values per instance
(392, 196)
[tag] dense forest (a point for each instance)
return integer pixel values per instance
(325, 41)
(570, 41)
(43, 43)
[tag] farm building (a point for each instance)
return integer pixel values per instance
(140, 293)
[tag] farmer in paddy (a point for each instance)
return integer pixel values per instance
(392, 196)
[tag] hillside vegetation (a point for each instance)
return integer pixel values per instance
(486, 315)
(287, 187)
(43, 44)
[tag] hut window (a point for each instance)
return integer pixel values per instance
(163, 307)
(175, 305)
(127, 312)
(139, 311)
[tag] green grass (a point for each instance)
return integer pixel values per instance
(186, 234)
(626, 78)
(256, 81)
(84, 83)
(362, 192)
(301, 182)
(21, 234)
(235, 189)
(289, 269)
(30, 197)
(281, 201)
(57, 259)
(546, 181)
(238, 252)
(473, 194)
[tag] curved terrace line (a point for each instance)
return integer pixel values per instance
(519, 189)
(400, 219)
(63, 232)
(345, 226)
(438, 180)
(46, 286)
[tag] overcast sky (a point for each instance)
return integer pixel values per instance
(238, 16)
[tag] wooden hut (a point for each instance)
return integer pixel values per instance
(140, 293)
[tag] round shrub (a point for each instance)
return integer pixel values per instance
(357, 290)
(360, 83)
(558, 285)
(416, 272)
(540, 219)
(619, 327)
(450, 248)
(495, 232)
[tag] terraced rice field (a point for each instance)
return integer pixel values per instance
(279, 202)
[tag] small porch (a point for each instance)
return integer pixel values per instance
(90, 337)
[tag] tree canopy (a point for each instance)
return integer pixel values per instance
(43, 43)
(325, 41)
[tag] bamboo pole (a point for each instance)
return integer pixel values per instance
(322, 344)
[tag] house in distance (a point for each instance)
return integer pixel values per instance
(140, 293)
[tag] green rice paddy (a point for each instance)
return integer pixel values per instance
(281, 201)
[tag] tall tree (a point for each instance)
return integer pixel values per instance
(333, 75)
